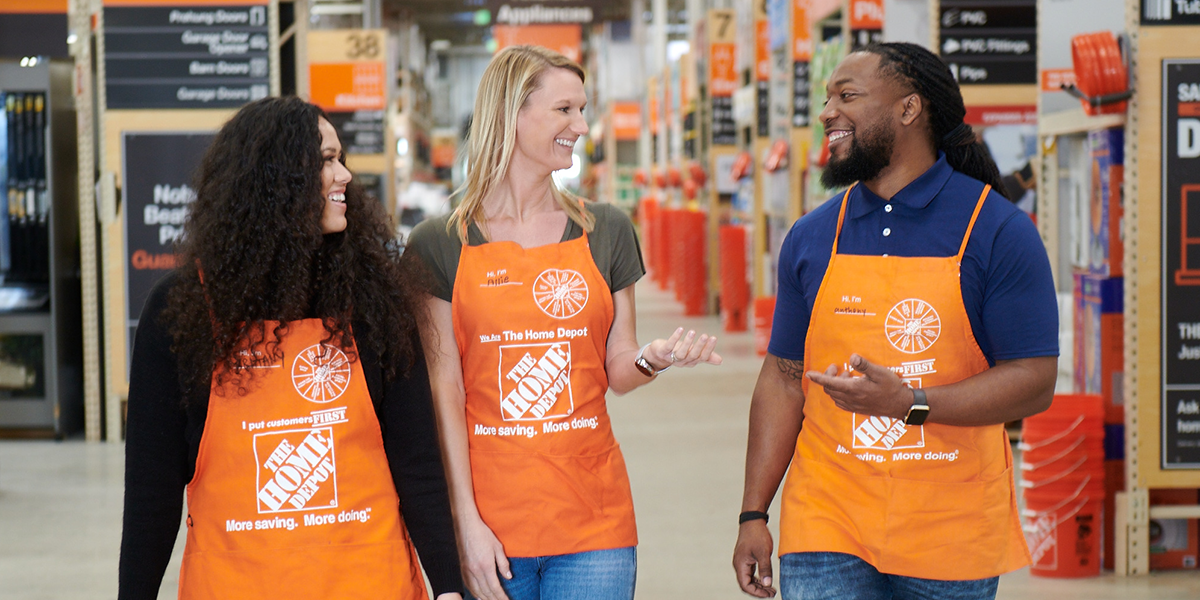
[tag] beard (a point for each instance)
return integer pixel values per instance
(870, 154)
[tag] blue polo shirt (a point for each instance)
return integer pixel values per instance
(1006, 282)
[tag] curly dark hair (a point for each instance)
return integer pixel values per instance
(252, 252)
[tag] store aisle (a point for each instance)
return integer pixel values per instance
(684, 440)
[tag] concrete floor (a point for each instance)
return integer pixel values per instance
(684, 439)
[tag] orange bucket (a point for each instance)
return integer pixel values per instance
(1064, 533)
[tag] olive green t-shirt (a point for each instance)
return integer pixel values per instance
(614, 246)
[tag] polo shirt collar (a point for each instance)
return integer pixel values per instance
(916, 195)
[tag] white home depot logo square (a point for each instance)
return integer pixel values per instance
(296, 470)
(535, 381)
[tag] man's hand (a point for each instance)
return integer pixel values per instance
(753, 553)
(878, 392)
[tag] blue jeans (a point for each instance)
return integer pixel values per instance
(595, 575)
(837, 576)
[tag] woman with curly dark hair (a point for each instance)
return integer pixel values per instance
(277, 374)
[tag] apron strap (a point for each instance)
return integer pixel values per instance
(978, 205)
(841, 217)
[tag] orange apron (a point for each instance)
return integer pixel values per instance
(292, 496)
(532, 327)
(932, 501)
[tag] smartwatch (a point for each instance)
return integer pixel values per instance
(644, 365)
(919, 409)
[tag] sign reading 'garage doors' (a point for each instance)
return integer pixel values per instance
(185, 56)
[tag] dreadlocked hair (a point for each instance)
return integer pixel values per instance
(925, 73)
(252, 257)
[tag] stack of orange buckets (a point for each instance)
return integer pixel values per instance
(1062, 479)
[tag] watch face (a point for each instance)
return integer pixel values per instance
(644, 366)
(916, 415)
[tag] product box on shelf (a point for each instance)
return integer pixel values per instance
(1174, 543)
(1099, 337)
(1105, 245)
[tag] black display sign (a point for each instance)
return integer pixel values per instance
(762, 97)
(157, 175)
(993, 70)
(361, 131)
(1181, 264)
(862, 37)
(724, 130)
(800, 89)
(958, 43)
(1170, 12)
(186, 56)
(989, 41)
(987, 15)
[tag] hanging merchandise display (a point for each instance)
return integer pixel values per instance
(40, 353)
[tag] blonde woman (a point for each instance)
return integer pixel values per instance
(532, 322)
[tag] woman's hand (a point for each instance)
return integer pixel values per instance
(681, 350)
(482, 560)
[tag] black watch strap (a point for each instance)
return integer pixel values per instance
(753, 515)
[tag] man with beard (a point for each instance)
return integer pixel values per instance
(915, 315)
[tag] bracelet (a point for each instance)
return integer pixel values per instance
(753, 515)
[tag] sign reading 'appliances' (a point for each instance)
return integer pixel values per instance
(185, 56)
(1181, 264)
(544, 12)
(157, 173)
(989, 41)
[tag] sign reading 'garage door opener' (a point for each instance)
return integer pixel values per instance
(185, 56)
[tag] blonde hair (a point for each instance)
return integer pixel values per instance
(512, 76)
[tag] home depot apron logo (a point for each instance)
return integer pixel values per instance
(535, 381)
(296, 470)
(886, 433)
(560, 293)
(912, 326)
(321, 373)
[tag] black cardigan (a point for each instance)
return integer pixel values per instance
(163, 440)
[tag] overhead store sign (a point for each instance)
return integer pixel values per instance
(185, 56)
(866, 22)
(543, 12)
(722, 74)
(566, 40)
(1170, 12)
(802, 49)
(347, 76)
(1181, 264)
(989, 42)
